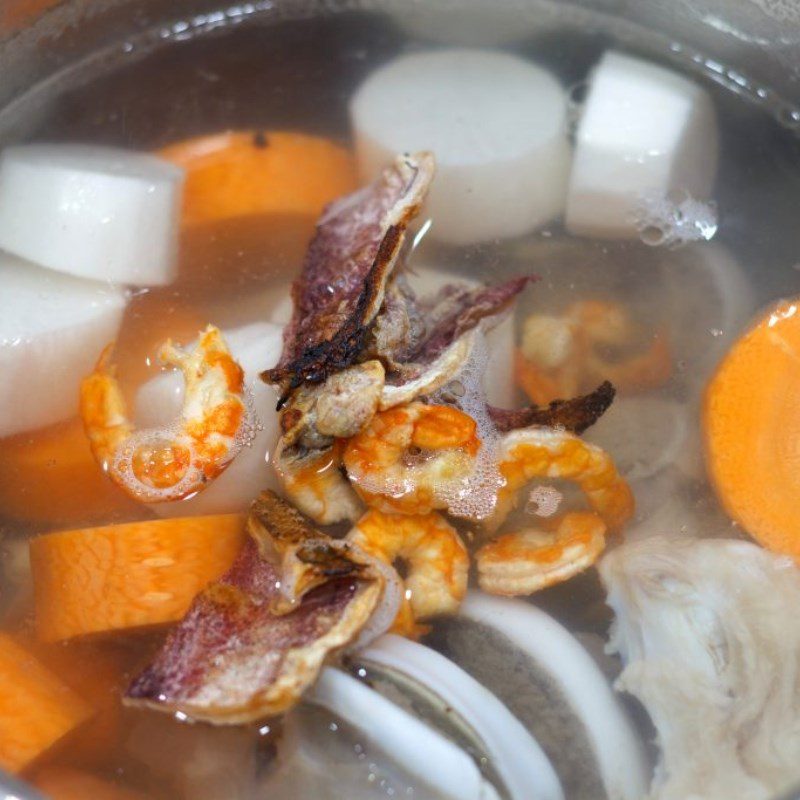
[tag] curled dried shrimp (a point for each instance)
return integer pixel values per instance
(411, 459)
(561, 356)
(525, 561)
(435, 558)
(313, 481)
(532, 453)
(180, 460)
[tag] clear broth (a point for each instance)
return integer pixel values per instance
(273, 74)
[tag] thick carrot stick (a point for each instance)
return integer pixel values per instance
(121, 577)
(36, 708)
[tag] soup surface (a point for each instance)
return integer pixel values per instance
(680, 293)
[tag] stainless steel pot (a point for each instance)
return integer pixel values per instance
(751, 45)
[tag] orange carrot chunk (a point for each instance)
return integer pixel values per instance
(51, 476)
(121, 577)
(66, 783)
(243, 173)
(36, 708)
(751, 424)
(98, 672)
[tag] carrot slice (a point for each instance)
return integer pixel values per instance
(65, 783)
(120, 577)
(36, 708)
(243, 173)
(97, 672)
(50, 476)
(751, 424)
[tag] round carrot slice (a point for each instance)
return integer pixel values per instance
(238, 174)
(751, 422)
(122, 577)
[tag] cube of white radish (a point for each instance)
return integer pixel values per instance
(96, 212)
(644, 130)
(256, 347)
(496, 124)
(52, 329)
(498, 380)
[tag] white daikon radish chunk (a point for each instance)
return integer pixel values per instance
(496, 124)
(425, 754)
(52, 329)
(256, 347)
(515, 755)
(96, 212)
(644, 129)
(499, 377)
(612, 736)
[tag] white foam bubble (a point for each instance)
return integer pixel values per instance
(673, 219)
(476, 496)
(543, 501)
(122, 465)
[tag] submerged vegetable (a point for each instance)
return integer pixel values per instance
(503, 153)
(66, 783)
(751, 426)
(514, 754)
(119, 577)
(426, 754)
(36, 708)
(50, 476)
(109, 214)
(643, 128)
(51, 327)
(555, 688)
(244, 173)
(708, 633)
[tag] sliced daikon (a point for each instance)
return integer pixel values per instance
(256, 347)
(499, 377)
(644, 129)
(514, 754)
(496, 124)
(52, 328)
(422, 752)
(96, 212)
(545, 677)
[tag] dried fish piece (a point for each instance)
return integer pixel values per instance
(343, 282)
(575, 415)
(243, 652)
